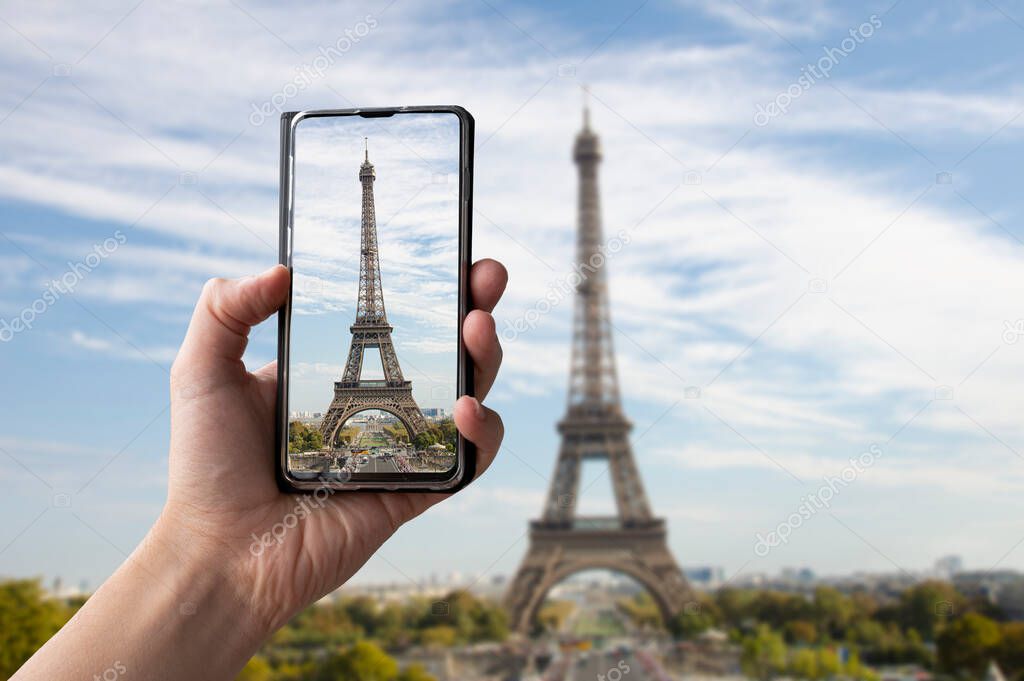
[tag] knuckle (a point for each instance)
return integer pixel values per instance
(499, 425)
(213, 287)
(489, 322)
(180, 376)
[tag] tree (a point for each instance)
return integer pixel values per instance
(27, 620)
(775, 608)
(801, 631)
(695, 619)
(398, 432)
(803, 664)
(415, 672)
(256, 669)
(855, 670)
(966, 646)
(443, 432)
(553, 614)
(1011, 652)
(439, 637)
(363, 612)
(363, 661)
(828, 663)
(833, 611)
(392, 626)
(302, 438)
(641, 610)
(734, 604)
(491, 624)
(347, 435)
(764, 654)
(928, 606)
(472, 618)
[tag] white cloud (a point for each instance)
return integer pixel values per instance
(122, 349)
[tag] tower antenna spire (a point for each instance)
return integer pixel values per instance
(366, 148)
(586, 107)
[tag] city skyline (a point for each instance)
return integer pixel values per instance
(793, 293)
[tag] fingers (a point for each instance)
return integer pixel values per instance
(267, 372)
(481, 340)
(482, 427)
(478, 424)
(487, 280)
(226, 310)
(266, 379)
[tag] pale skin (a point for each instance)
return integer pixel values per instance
(193, 601)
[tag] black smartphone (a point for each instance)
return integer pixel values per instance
(376, 215)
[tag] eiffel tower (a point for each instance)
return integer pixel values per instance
(594, 427)
(371, 330)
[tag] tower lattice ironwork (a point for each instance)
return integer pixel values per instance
(371, 330)
(562, 542)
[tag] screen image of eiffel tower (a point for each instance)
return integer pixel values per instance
(375, 298)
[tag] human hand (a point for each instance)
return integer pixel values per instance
(222, 492)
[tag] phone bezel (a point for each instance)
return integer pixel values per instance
(465, 467)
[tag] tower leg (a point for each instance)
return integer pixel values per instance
(641, 553)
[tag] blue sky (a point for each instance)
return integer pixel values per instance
(810, 276)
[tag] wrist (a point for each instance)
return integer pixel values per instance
(173, 610)
(207, 578)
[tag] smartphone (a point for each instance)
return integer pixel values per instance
(376, 226)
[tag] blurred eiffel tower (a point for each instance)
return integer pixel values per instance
(353, 394)
(563, 543)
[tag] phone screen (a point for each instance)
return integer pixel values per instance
(373, 361)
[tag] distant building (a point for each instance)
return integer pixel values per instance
(306, 417)
(705, 576)
(434, 413)
(948, 566)
(1004, 588)
(798, 575)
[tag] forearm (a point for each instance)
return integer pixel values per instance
(169, 612)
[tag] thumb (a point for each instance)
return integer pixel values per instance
(227, 309)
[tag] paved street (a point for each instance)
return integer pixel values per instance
(378, 465)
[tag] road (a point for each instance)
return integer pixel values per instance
(378, 465)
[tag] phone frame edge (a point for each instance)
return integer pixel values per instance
(465, 384)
